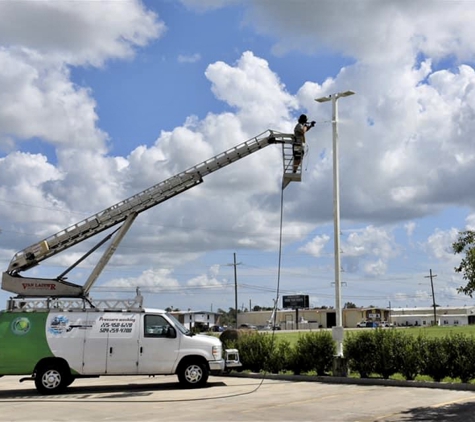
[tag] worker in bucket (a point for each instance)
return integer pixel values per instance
(298, 147)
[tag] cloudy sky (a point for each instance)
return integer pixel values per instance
(101, 99)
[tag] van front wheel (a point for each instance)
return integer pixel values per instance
(51, 379)
(192, 374)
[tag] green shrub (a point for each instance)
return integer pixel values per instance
(230, 337)
(434, 357)
(314, 351)
(280, 357)
(386, 343)
(408, 355)
(460, 351)
(254, 350)
(296, 361)
(359, 349)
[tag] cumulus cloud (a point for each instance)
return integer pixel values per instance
(377, 268)
(410, 161)
(38, 98)
(22, 179)
(365, 29)
(209, 280)
(439, 244)
(154, 280)
(255, 90)
(372, 247)
(316, 246)
(370, 241)
(41, 103)
(84, 32)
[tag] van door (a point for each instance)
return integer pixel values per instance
(95, 345)
(122, 344)
(158, 351)
(65, 332)
(111, 346)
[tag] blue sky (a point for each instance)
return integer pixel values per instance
(92, 112)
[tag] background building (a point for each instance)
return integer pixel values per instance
(202, 320)
(444, 316)
(290, 319)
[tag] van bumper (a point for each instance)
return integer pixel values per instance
(231, 360)
(216, 367)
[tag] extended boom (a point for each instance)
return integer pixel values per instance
(128, 209)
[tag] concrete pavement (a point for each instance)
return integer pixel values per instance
(236, 398)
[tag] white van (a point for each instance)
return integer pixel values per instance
(55, 347)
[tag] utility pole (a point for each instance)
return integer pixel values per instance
(235, 264)
(431, 276)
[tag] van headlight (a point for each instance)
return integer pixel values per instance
(217, 352)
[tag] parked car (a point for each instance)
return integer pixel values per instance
(361, 324)
(270, 327)
(372, 324)
(217, 329)
(247, 327)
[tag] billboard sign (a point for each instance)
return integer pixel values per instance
(295, 301)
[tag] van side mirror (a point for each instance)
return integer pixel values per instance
(171, 332)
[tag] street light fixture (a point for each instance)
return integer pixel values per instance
(337, 331)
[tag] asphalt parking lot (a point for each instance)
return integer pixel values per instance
(142, 398)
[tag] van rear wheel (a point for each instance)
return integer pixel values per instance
(51, 379)
(192, 374)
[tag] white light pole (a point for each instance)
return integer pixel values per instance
(338, 330)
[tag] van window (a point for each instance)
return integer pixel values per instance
(155, 326)
(178, 324)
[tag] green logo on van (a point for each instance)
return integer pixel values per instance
(20, 326)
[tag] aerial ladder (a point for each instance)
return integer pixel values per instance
(125, 212)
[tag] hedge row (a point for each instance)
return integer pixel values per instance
(313, 351)
(378, 351)
(387, 352)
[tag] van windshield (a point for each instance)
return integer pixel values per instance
(178, 324)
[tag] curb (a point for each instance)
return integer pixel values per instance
(355, 381)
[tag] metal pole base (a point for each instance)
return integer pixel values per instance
(340, 366)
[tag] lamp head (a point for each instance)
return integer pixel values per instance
(345, 94)
(323, 99)
(335, 96)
